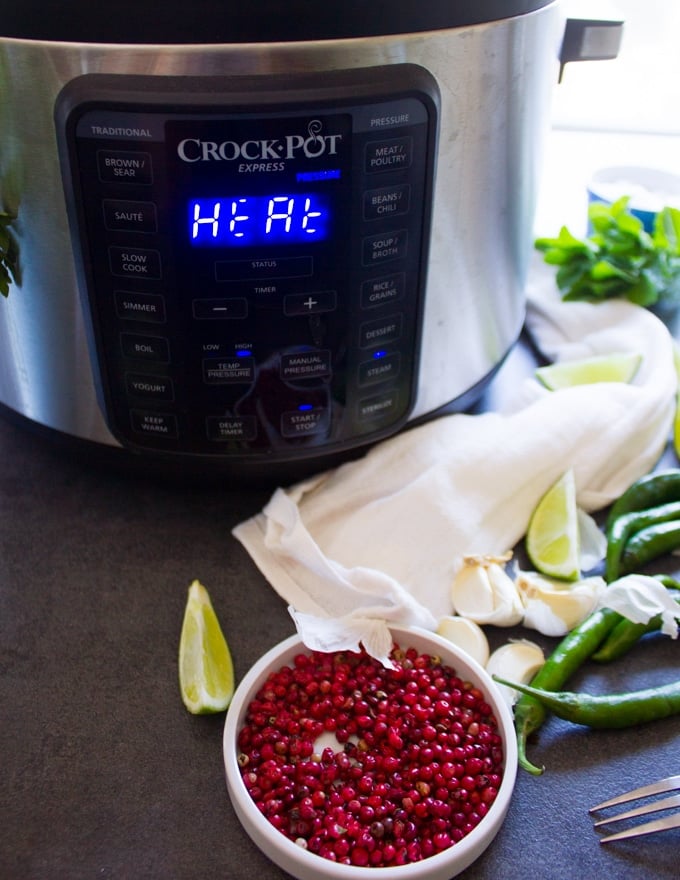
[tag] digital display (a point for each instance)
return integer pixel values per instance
(257, 220)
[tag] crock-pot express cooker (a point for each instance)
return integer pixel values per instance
(265, 232)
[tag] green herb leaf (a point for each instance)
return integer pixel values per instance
(619, 258)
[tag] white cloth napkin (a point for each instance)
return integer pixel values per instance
(378, 540)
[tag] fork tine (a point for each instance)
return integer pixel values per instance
(652, 807)
(669, 784)
(646, 828)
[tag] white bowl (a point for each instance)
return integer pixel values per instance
(649, 189)
(305, 865)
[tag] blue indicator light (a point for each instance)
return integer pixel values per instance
(379, 354)
(243, 353)
(328, 174)
(305, 407)
(280, 218)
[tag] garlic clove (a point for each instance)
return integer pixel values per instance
(554, 607)
(484, 592)
(466, 635)
(518, 660)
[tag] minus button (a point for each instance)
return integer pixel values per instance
(220, 309)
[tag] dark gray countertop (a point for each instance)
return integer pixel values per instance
(105, 774)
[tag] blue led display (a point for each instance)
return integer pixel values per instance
(259, 220)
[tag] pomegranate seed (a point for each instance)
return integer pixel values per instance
(418, 764)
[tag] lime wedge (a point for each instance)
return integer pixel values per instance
(616, 367)
(552, 540)
(206, 671)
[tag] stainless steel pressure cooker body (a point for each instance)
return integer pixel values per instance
(265, 233)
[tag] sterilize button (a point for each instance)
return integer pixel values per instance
(379, 407)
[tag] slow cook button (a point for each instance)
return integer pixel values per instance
(154, 424)
(128, 262)
(381, 406)
(145, 348)
(129, 216)
(379, 369)
(148, 307)
(305, 365)
(384, 247)
(151, 387)
(386, 289)
(224, 428)
(228, 371)
(389, 201)
(302, 422)
(388, 155)
(380, 332)
(123, 166)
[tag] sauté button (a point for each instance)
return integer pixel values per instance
(129, 216)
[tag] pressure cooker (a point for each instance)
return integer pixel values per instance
(250, 235)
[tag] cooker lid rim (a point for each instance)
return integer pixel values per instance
(258, 21)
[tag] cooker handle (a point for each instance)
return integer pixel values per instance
(590, 39)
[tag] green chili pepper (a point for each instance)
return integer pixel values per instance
(621, 528)
(649, 544)
(612, 711)
(649, 491)
(574, 649)
(626, 634)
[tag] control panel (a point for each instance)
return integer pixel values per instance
(252, 253)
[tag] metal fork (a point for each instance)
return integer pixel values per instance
(671, 783)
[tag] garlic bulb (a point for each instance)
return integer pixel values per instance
(518, 660)
(466, 635)
(484, 592)
(554, 607)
